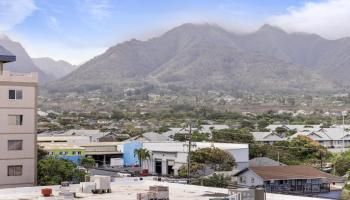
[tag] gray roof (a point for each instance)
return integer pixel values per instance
(264, 161)
(326, 134)
(6, 56)
(267, 137)
(299, 128)
(152, 136)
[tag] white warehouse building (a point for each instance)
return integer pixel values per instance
(167, 157)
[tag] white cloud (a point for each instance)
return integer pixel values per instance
(98, 9)
(329, 19)
(13, 12)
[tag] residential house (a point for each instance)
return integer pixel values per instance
(329, 137)
(268, 137)
(207, 128)
(287, 179)
(151, 137)
(297, 128)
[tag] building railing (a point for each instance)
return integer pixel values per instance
(18, 77)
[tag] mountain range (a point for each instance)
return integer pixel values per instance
(208, 57)
(56, 69)
(23, 63)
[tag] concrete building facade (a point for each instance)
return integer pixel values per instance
(167, 157)
(17, 125)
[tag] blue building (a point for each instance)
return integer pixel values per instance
(128, 156)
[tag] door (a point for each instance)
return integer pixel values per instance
(158, 164)
(170, 164)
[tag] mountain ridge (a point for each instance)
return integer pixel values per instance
(208, 57)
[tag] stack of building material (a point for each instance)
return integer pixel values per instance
(102, 184)
(155, 193)
(87, 187)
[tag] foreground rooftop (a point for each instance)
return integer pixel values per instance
(127, 189)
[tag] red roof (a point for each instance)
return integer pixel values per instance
(288, 172)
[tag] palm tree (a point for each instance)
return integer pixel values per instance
(142, 154)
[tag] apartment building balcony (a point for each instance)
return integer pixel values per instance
(7, 76)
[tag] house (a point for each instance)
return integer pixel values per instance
(297, 128)
(329, 137)
(151, 137)
(287, 179)
(264, 161)
(207, 128)
(18, 125)
(167, 157)
(114, 137)
(268, 137)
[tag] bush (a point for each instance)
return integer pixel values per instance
(53, 171)
(215, 180)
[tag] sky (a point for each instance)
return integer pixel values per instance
(77, 30)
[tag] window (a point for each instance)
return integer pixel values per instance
(13, 145)
(252, 180)
(14, 170)
(15, 120)
(63, 153)
(242, 179)
(74, 152)
(15, 94)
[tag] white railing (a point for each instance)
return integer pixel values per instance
(18, 77)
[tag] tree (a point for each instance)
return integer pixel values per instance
(280, 130)
(297, 151)
(53, 171)
(215, 158)
(342, 163)
(216, 180)
(233, 136)
(41, 153)
(87, 162)
(142, 154)
(196, 169)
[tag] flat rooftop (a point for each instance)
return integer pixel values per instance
(127, 189)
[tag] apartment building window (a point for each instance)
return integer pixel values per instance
(13, 145)
(15, 120)
(14, 170)
(15, 94)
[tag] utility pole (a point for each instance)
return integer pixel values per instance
(344, 113)
(189, 153)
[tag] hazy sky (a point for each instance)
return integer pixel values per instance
(77, 30)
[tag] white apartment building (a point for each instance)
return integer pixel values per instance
(18, 94)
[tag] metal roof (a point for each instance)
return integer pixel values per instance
(6, 56)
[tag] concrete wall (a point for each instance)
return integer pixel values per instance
(28, 146)
(28, 94)
(28, 120)
(27, 177)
